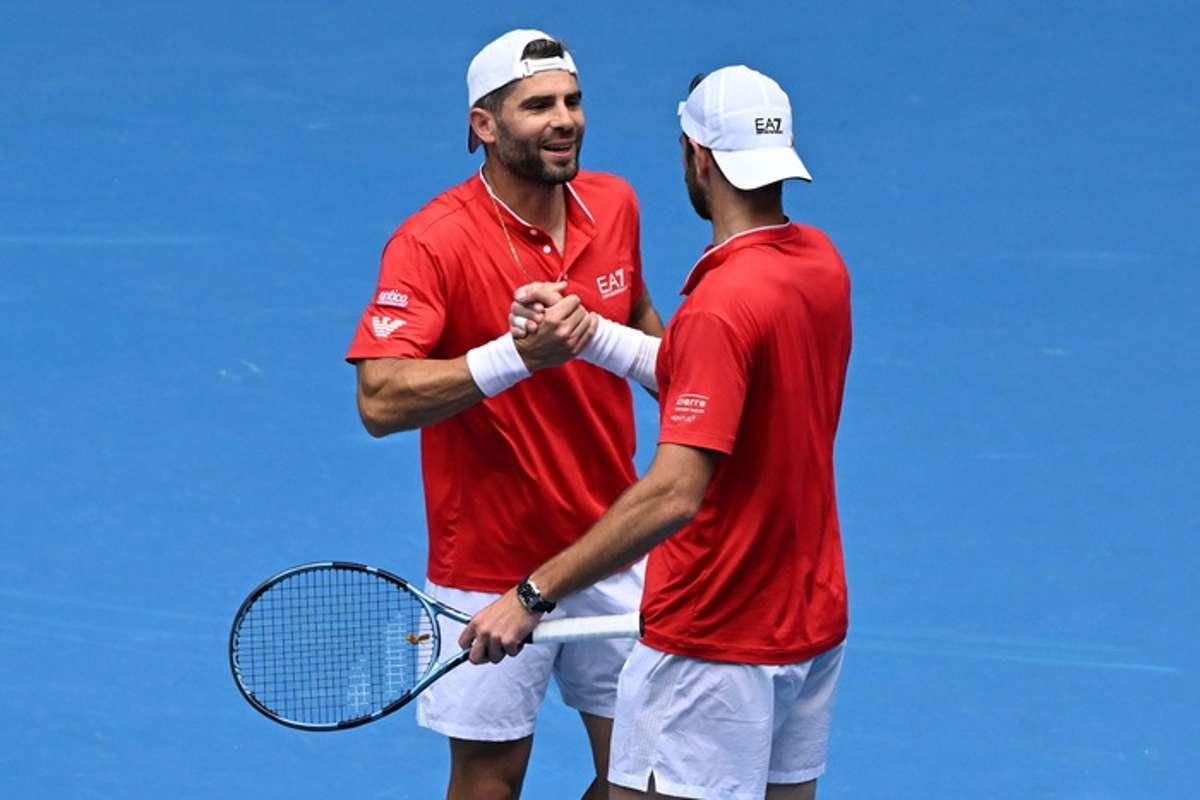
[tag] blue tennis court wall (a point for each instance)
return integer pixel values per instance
(192, 202)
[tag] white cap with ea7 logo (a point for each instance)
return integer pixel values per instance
(499, 63)
(745, 118)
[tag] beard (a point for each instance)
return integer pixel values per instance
(524, 157)
(695, 190)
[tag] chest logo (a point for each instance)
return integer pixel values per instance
(612, 283)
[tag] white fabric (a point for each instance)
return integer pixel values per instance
(499, 702)
(709, 729)
(497, 365)
(745, 118)
(624, 351)
(500, 62)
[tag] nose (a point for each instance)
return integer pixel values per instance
(564, 116)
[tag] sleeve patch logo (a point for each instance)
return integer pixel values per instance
(385, 326)
(688, 407)
(390, 297)
(612, 284)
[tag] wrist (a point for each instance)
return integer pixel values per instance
(496, 365)
(531, 597)
(623, 351)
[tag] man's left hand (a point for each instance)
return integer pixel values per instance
(498, 630)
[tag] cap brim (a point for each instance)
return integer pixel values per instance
(472, 140)
(753, 169)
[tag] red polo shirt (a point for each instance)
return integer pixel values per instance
(753, 365)
(514, 479)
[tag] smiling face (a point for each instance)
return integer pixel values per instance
(538, 132)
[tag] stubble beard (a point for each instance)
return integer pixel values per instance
(524, 157)
(696, 191)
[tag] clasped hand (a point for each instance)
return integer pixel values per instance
(550, 329)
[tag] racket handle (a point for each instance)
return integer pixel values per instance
(580, 629)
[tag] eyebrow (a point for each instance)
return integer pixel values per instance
(542, 99)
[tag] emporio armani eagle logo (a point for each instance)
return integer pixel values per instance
(385, 326)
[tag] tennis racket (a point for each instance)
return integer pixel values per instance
(335, 645)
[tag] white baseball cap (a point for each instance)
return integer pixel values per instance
(745, 118)
(499, 63)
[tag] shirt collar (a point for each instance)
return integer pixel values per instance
(570, 192)
(716, 255)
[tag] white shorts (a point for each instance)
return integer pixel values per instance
(710, 729)
(498, 702)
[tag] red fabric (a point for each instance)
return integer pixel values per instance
(753, 365)
(516, 478)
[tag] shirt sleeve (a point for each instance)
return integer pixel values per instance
(408, 310)
(709, 368)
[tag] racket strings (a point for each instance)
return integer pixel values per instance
(330, 645)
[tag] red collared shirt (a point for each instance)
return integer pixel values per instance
(753, 365)
(516, 478)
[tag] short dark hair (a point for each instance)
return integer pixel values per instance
(538, 48)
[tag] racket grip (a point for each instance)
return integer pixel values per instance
(581, 629)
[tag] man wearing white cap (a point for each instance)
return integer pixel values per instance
(730, 693)
(503, 422)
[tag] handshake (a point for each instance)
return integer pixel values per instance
(550, 329)
(547, 329)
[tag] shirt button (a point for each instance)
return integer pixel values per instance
(546, 249)
(532, 232)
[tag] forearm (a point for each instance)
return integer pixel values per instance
(403, 394)
(646, 514)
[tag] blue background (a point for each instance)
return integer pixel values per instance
(193, 198)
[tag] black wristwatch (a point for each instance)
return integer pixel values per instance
(531, 597)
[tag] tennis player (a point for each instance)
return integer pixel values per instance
(503, 423)
(730, 693)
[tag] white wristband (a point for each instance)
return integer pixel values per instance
(497, 365)
(624, 351)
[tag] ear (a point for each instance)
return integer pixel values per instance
(483, 124)
(702, 157)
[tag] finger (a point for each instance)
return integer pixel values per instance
(574, 327)
(467, 636)
(548, 293)
(524, 293)
(527, 312)
(564, 308)
(479, 651)
(513, 648)
(593, 322)
(495, 651)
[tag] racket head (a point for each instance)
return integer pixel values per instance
(332, 645)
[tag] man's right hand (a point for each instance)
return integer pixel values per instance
(529, 306)
(562, 329)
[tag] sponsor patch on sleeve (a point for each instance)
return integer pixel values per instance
(689, 407)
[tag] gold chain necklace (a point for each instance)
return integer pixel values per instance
(511, 248)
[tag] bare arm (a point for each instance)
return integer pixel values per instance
(647, 513)
(400, 394)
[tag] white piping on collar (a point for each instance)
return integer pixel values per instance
(712, 250)
(579, 200)
(521, 219)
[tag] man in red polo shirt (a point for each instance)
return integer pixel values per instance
(504, 423)
(730, 693)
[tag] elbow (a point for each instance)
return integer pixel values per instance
(378, 420)
(681, 505)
